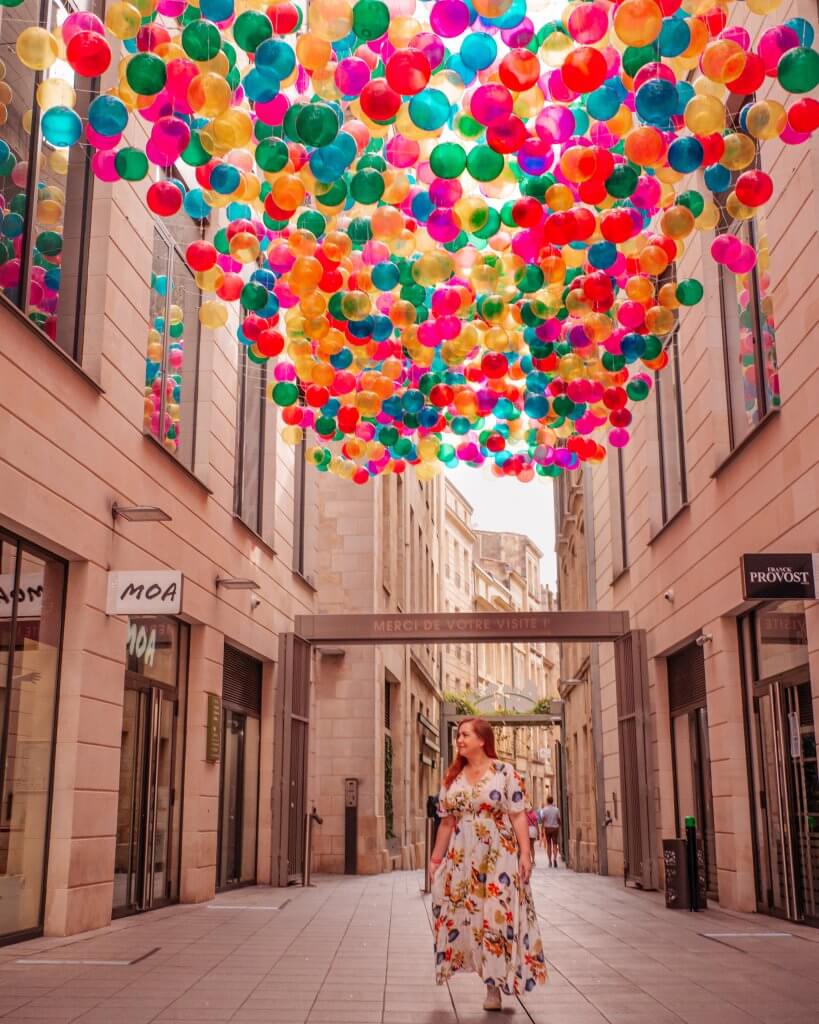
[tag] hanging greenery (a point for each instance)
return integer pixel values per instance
(389, 814)
(462, 702)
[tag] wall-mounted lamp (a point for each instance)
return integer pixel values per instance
(703, 639)
(140, 513)
(236, 583)
(571, 682)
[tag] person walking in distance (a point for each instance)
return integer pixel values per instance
(550, 821)
(483, 914)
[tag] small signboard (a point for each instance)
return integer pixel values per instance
(213, 744)
(779, 576)
(153, 592)
(29, 595)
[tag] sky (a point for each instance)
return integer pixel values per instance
(506, 504)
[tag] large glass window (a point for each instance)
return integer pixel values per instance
(45, 191)
(172, 362)
(250, 454)
(32, 588)
(670, 434)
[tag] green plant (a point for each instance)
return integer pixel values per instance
(542, 707)
(462, 702)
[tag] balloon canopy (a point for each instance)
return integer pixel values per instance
(453, 227)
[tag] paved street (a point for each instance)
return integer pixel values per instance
(357, 951)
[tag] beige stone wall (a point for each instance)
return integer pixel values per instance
(73, 443)
(378, 551)
(763, 498)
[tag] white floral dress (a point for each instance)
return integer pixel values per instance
(484, 918)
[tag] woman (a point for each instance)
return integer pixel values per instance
(484, 915)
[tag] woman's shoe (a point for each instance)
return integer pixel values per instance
(493, 998)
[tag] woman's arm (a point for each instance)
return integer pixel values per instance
(445, 830)
(520, 823)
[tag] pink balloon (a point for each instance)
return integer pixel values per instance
(744, 261)
(725, 248)
(103, 166)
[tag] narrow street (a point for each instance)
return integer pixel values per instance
(357, 951)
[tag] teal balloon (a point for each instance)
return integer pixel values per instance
(108, 115)
(429, 109)
(478, 51)
(61, 126)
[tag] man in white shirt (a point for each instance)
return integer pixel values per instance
(550, 823)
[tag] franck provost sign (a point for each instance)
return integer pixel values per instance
(777, 576)
(156, 592)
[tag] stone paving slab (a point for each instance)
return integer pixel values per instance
(358, 951)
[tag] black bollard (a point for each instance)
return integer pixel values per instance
(691, 857)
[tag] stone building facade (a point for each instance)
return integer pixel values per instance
(115, 795)
(376, 709)
(723, 461)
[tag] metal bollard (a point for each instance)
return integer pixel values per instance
(313, 816)
(428, 833)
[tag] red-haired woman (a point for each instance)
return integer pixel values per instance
(482, 906)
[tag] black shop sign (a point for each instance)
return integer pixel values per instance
(775, 576)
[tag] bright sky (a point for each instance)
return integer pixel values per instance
(505, 504)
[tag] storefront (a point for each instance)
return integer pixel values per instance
(147, 859)
(783, 766)
(32, 600)
(239, 778)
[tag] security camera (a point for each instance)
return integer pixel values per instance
(703, 639)
(669, 595)
(255, 601)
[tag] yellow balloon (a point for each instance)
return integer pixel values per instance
(330, 20)
(766, 119)
(55, 92)
(213, 314)
(37, 48)
(123, 20)
(704, 115)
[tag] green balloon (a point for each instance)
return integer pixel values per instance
(335, 194)
(312, 221)
(634, 57)
(250, 29)
(367, 187)
(371, 19)
(637, 390)
(146, 74)
(621, 182)
(131, 164)
(484, 164)
(272, 154)
(653, 347)
(447, 160)
(285, 393)
(254, 358)
(50, 243)
(195, 154)
(689, 292)
(201, 40)
(692, 200)
(253, 296)
(317, 124)
(798, 69)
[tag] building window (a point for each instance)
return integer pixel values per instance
(619, 527)
(670, 433)
(248, 490)
(300, 503)
(45, 191)
(172, 362)
(32, 591)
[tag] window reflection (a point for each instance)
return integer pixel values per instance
(31, 608)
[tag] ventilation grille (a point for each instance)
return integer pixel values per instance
(242, 681)
(686, 679)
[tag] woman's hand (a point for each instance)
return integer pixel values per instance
(525, 863)
(434, 865)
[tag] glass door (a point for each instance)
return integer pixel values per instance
(786, 747)
(143, 868)
(238, 813)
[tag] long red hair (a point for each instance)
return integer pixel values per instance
(485, 732)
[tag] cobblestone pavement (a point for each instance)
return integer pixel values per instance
(358, 951)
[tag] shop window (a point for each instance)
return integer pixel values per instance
(172, 363)
(32, 588)
(619, 521)
(300, 503)
(781, 639)
(670, 433)
(248, 489)
(45, 192)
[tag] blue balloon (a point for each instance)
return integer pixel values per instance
(674, 38)
(632, 346)
(717, 178)
(385, 276)
(603, 103)
(61, 126)
(108, 115)
(216, 10)
(685, 154)
(455, 63)
(602, 255)
(274, 57)
(259, 87)
(478, 51)
(225, 178)
(656, 101)
(12, 225)
(803, 29)
(536, 406)
(195, 205)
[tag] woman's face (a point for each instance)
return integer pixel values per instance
(469, 742)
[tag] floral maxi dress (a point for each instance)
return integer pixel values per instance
(484, 918)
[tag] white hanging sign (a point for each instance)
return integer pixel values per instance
(155, 592)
